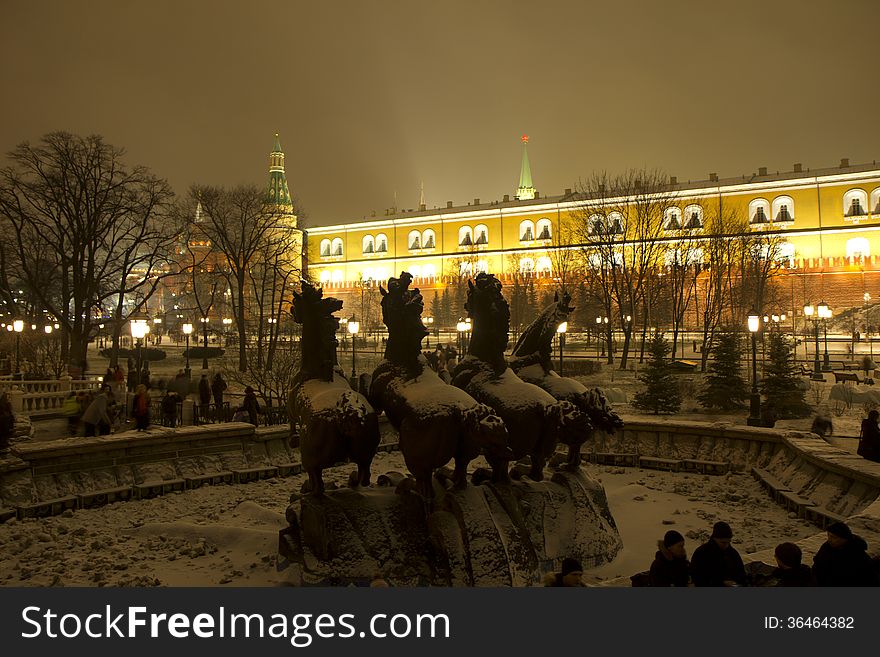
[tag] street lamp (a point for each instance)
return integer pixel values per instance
(139, 330)
(754, 419)
(461, 327)
(353, 327)
(187, 330)
(204, 321)
(18, 327)
(825, 314)
(48, 329)
(428, 322)
(808, 313)
(227, 322)
(561, 329)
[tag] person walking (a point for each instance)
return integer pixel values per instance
(250, 405)
(716, 562)
(96, 419)
(869, 437)
(7, 422)
(169, 408)
(132, 381)
(140, 408)
(218, 386)
(670, 567)
(843, 559)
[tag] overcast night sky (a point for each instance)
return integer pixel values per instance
(372, 97)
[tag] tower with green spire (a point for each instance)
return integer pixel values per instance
(526, 190)
(278, 194)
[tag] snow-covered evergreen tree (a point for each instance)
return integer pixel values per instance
(724, 386)
(661, 393)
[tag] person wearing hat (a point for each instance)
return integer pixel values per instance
(843, 559)
(789, 569)
(716, 562)
(670, 567)
(571, 574)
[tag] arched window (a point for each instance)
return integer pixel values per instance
(429, 241)
(693, 216)
(526, 265)
(482, 235)
(759, 211)
(858, 247)
(855, 203)
(672, 219)
(526, 231)
(368, 245)
(482, 267)
(544, 265)
(545, 229)
(783, 209)
(325, 248)
(336, 247)
(414, 240)
(615, 223)
(325, 275)
(465, 236)
(875, 201)
(429, 271)
(337, 276)
(596, 224)
(381, 243)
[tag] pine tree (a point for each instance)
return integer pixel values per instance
(724, 386)
(661, 393)
(783, 394)
(446, 308)
(436, 310)
(531, 303)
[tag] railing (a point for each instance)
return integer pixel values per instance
(48, 385)
(211, 413)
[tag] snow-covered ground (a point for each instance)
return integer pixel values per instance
(228, 535)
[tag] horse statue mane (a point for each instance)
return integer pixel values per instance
(490, 313)
(536, 341)
(402, 313)
(318, 343)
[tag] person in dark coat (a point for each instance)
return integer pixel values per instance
(218, 386)
(7, 421)
(843, 559)
(789, 569)
(132, 379)
(251, 406)
(204, 390)
(869, 437)
(571, 574)
(670, 567)
(716, 562)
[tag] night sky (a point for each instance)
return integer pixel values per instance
(370, 98)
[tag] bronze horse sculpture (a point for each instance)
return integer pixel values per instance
(436, 421)
(336, 423)
(535, 421)
(531, 360)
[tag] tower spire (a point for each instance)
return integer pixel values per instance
(526, 190)
(422, 205)
(278, 194)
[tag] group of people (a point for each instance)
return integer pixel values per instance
(96, 411)
(842, 560)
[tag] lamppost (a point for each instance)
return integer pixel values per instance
(461, 327)
(227, 321)
(561, 329)
(353, 328)
(825, 314)
(602, 335)
(139, 330)
(867, 297)
(754, 419)
(187, 330)
(598, 339)
(428, 322)
(204, 321)
(18, 327)
(157, 321)
(467, 333)
(808, 313)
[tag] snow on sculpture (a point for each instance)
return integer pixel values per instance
(531, 360)
(336, 423)
(436, 421)
(535, 420)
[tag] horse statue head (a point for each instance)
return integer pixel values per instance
(537, 338)
(490, 313)
(318, 343)
(402, 314)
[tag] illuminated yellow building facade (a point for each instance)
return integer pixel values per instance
(828, 221)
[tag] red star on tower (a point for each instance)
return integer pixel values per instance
(525, 139)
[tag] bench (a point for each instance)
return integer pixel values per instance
(48, 508)
(822, 517)
(771, 483)
(794, 502)
(655, 463)
(102, 497)
(705, 467)
(843, 377)
(245, 475)
(211, 479)
(154, 488)
(387, 447)
(610, 458)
